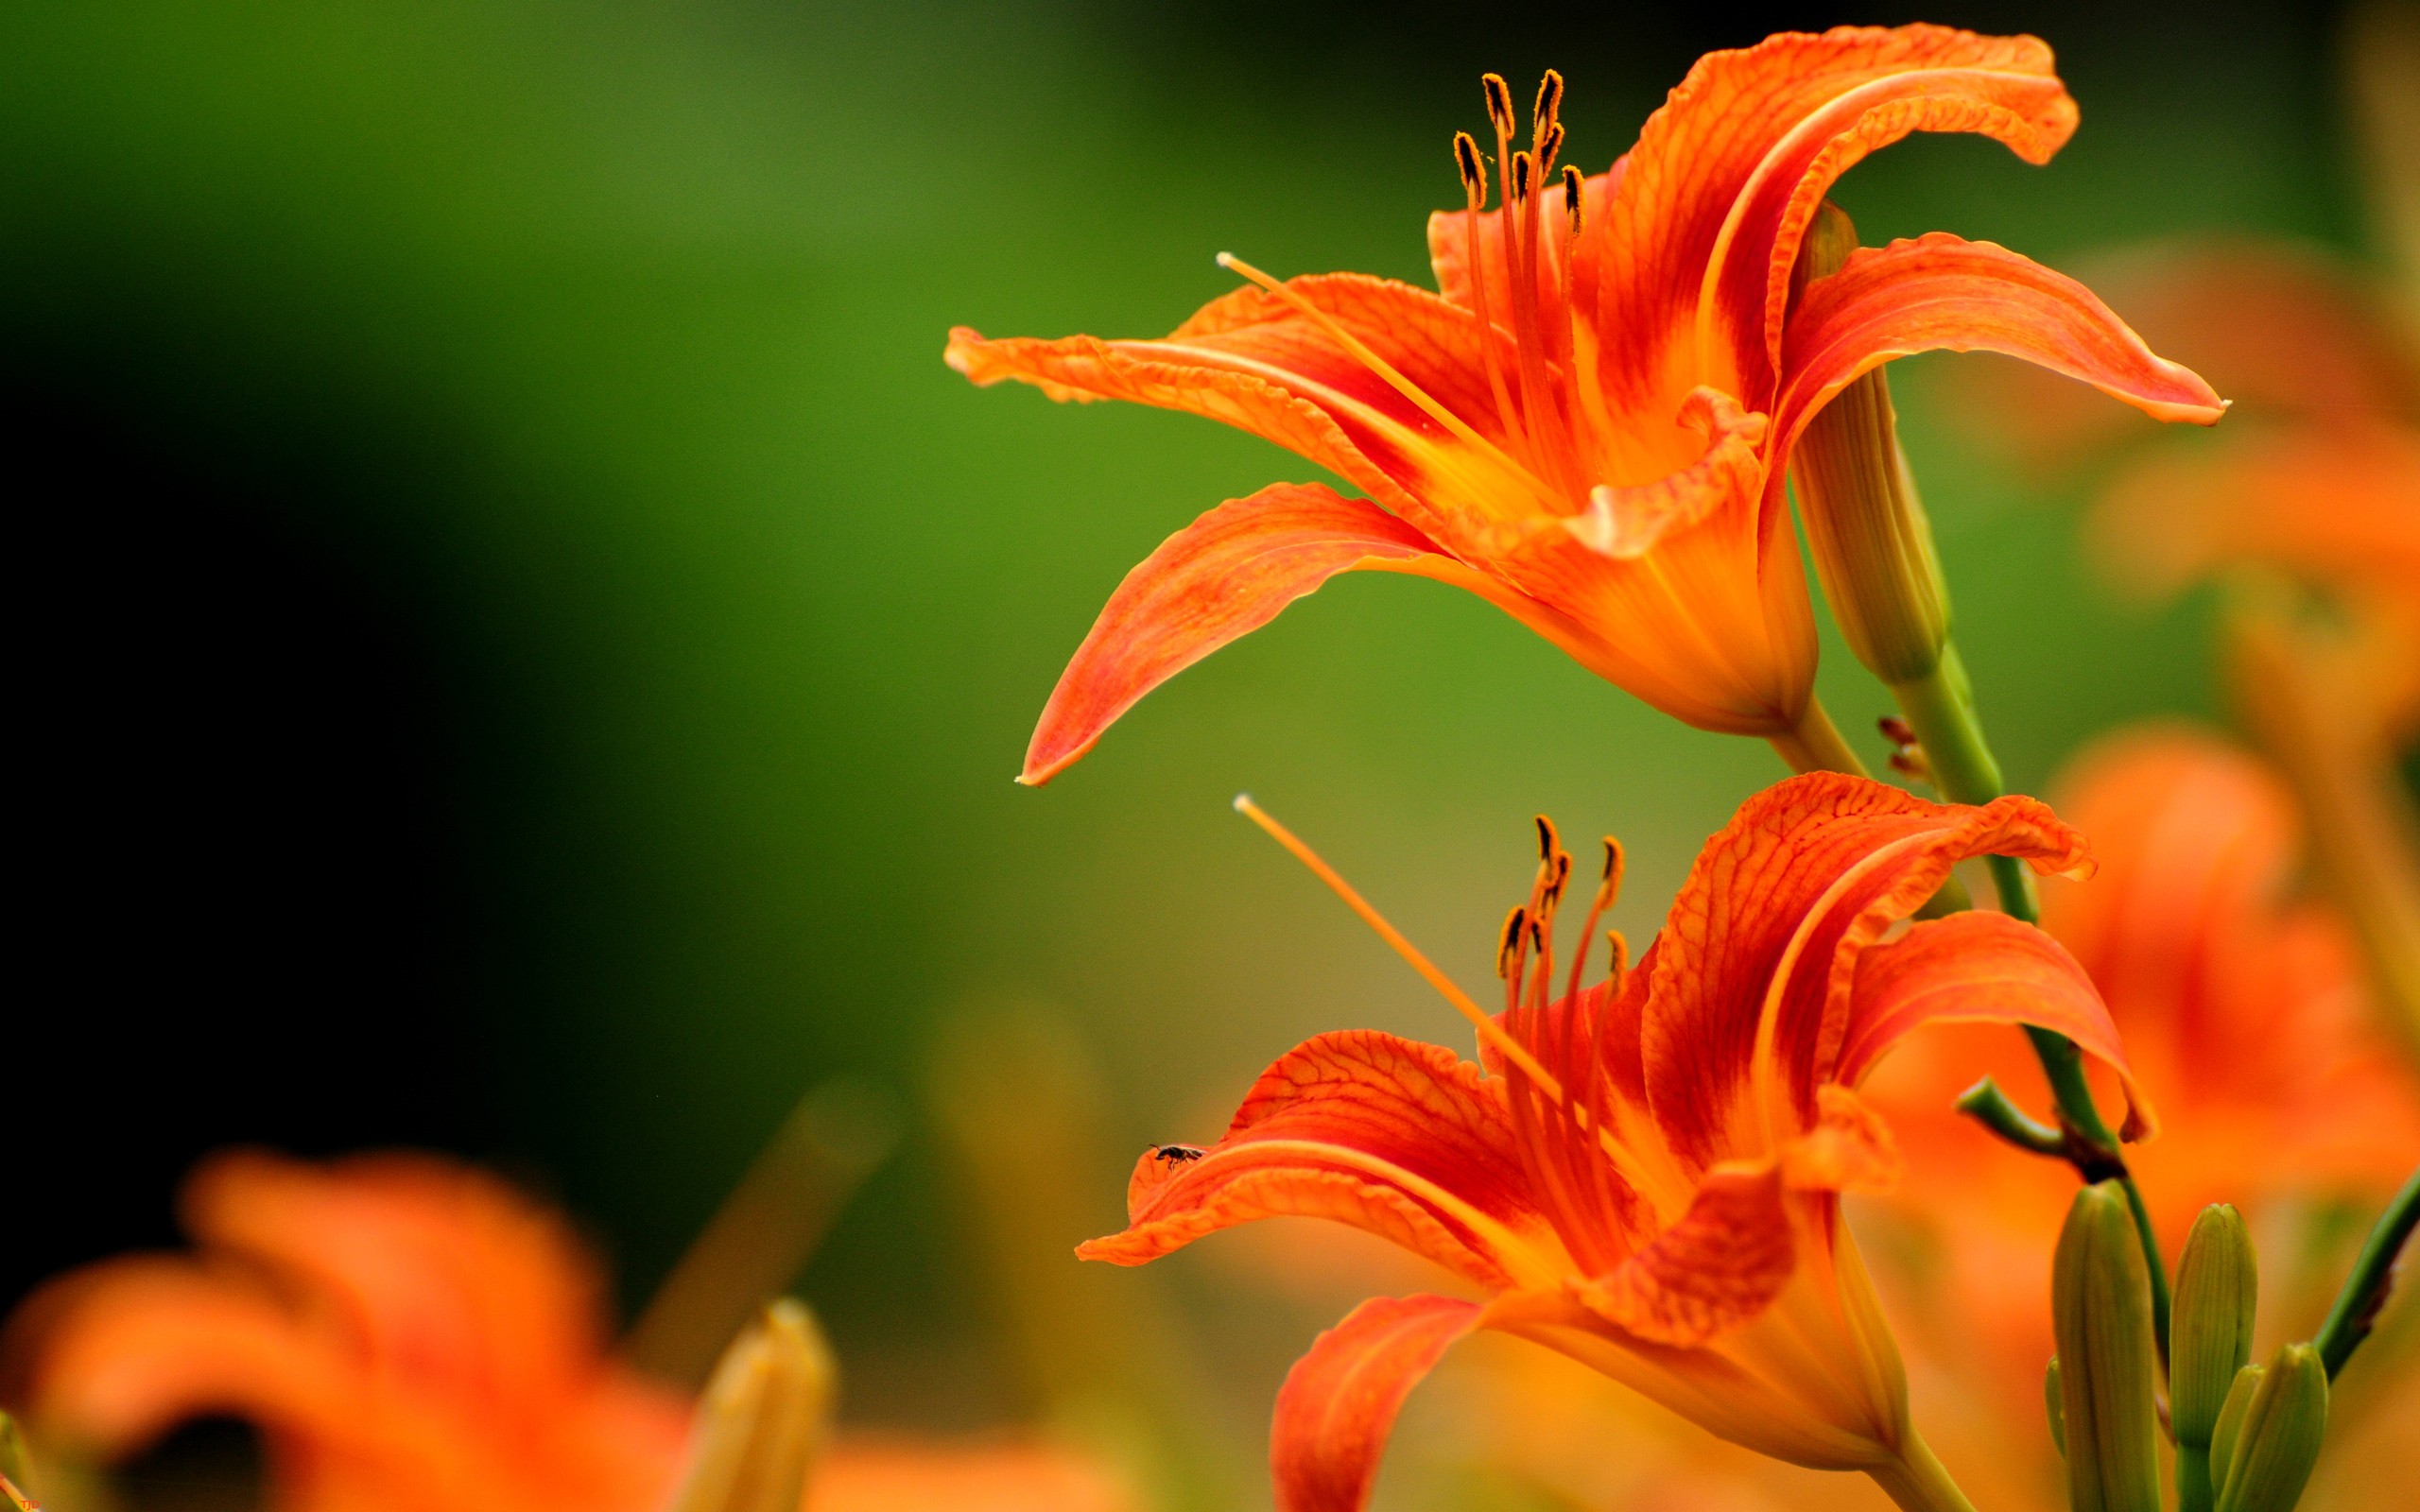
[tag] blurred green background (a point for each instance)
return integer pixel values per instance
(525, 644)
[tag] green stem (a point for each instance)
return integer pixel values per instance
(1990, 1107)
(1816, 744)
(1918, 1482)
(2194, 1492)
(1940, 708)
(2365, 1292)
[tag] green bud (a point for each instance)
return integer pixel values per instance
(2277, 1446)
(761, 1425)
(2218, 1286)
(2057, 1409)
(1865, 526)
(2100, 1306)
(2230, 1426)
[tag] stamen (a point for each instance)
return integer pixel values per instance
(1499, 104)
(1550, 144)
(1609, 889)
(1548, 109)
(1550, 441)
(1474, 172)
(1508, 939)
(1466, 161)
(1621, 956)
(1514, 1052)
(1574, 190)
(1378, 365)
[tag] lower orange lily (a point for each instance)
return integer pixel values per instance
(1646, 1175)
(412, 1336)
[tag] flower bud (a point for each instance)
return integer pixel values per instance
(2217, 1285)
(1865, 524)
(2050, 1389)
(2100, 1306)
(761, 1424)
(2284, 1421)
(2230, 1427)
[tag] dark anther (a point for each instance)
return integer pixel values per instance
(1499, 102)
(1549, 100)
(1466, 160)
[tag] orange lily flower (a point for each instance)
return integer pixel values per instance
(1589, 423)
(413, 1336)
(2244, 1011)
(1646, 1176)
(2245, 1014)
(2323, 490)
(410, 1336)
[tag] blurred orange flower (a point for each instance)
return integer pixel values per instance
(2244, 1013)
(411, 1335)
(1588, 424)
(1649, 1177)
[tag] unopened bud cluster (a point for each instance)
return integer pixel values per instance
(2247, 1435)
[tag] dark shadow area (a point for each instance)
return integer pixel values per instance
(242, 915)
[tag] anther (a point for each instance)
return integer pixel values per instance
(1499, 103)
(1621, 956)
(1549, 107)
(1548, 144)
(1474, 172)
(1524, 166)
(1549, 840)
(1509, 941)
(1574, 189)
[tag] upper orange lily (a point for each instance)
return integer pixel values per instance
(413, 1336)
(1589, 423)
(1645, 1176)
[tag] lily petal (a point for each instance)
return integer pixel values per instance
(1228, 573)
(124, 1351)
(1701, 155)
(1339, 1402)
(1400, 1138)
(2340, 505)
(1627, 522)
(1756, 960)
(1982, 968)
(432, 1261)
(1284, 368)
(1722, 1263)
(1939, 292)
